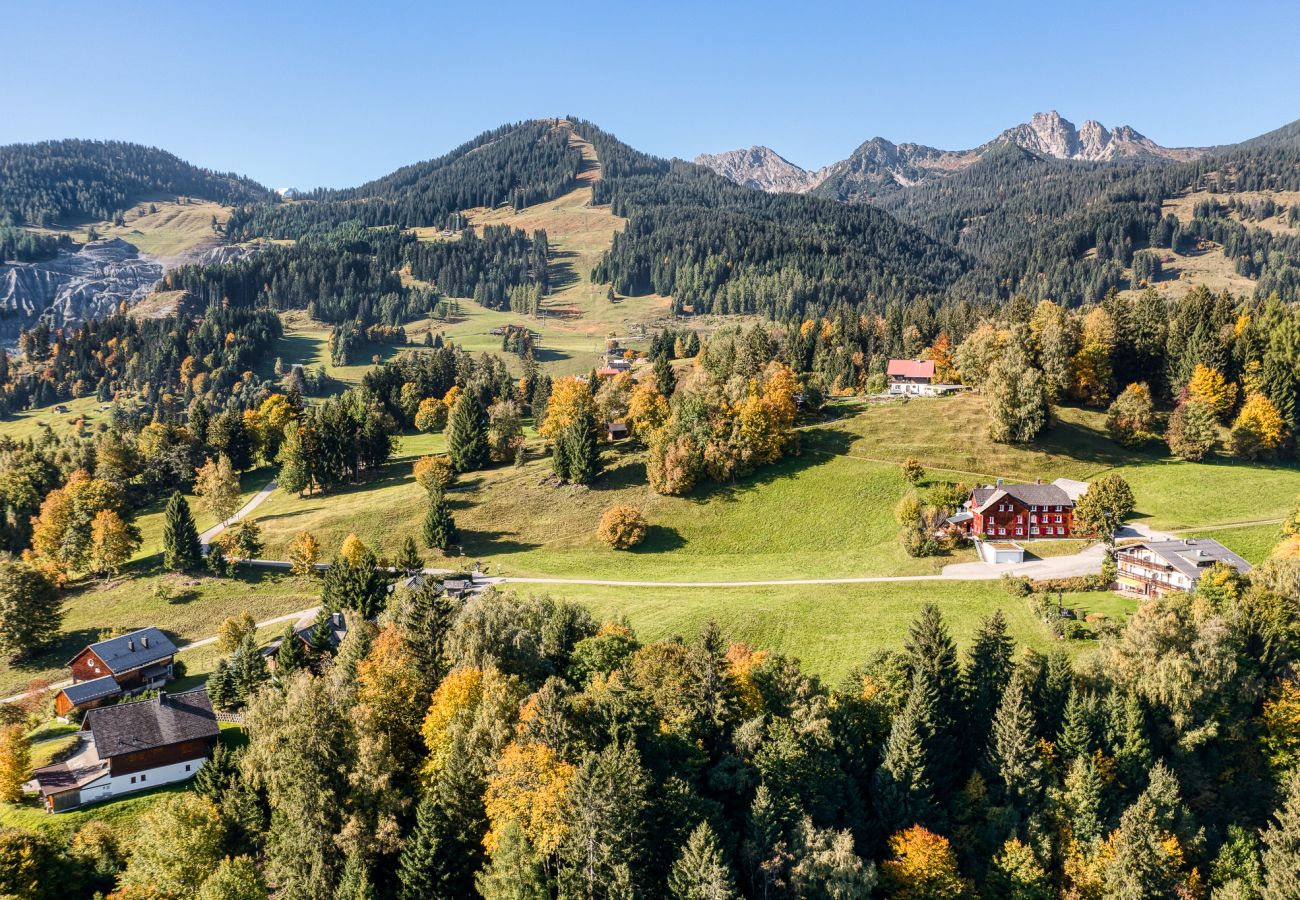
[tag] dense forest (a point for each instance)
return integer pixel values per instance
(48, 182)
(21, 245)
(517, 164)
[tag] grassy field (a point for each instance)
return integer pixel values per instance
(174, 228)
(1252, 542)
(829, 628)
(83, 413)
(949, 436)
(196, 606)
(811, 515)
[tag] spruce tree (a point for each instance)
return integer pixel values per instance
(291, 655)
(603, 852)
(1014, 753)
(931, 653)
(513, 872)
(439, 526)
(467, 434)
(1078, 735)
(700, 872)
(904, 785)
(295, 469)
(421, 860)
(1282, 846)
(1082, 801)
(578, 451)
(181, 549)
(988, 671)
(408, 558)
(665, 377)
(355, 883)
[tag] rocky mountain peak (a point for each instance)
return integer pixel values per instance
(761, 168)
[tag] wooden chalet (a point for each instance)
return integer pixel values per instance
(131, 747)
(915, 378)
(133, 662)
(1156, 568)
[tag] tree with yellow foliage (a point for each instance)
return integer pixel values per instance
(304, 553)
(112, 542)
(647, 409)
(431, 415)
(1208, 386)
(570, 398)
(353, 550)
(528, 787)
(62, 531)
(942, 355)
(1092, 366)
(391, 688)
(433, 472)
(457, 696)
(15, 761)
(1281, 738)
(217, 487)
(922, 866)
(1258, 429)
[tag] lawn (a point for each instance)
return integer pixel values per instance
(829, 628)
(808, 516)
(197, 606)
(83, 416)
(1252, 542)
(174, 228)
(949, 435)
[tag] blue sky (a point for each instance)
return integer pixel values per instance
(322, 93)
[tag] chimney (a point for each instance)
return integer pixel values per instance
(999, 482)
(144, 642)
(1038, 481)
(130, 645)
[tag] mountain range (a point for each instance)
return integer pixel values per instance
(880, 165)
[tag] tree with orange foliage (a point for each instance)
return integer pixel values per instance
(569, 399)
(112, 542)
(922, 866)
(942, 354)
(62, 531)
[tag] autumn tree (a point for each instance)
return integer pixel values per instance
(112, 542)
(433, 472)
(234, 629)
(304, 553)
(217, 487)
(647, 409)
(622, 527)
(15, 761)
(913, 471)
(1210, 387)
(431, 415)
(186, 836)
(921, 866)
(978, 353)
(1092, 366)
(1131, 417)
(61, 533)
(529, 787)
(1258, 428)
(569, 398)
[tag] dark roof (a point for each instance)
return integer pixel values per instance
(131, 651)
(146, 724)
(1192, 556)
(95, 689)
(336, 628)
(1026, 494)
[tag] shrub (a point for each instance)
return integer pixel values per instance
(433, 471)
(918, 542)
(1016, 585)
(912, 470)
(622, 527)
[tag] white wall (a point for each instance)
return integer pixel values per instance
(116, 785)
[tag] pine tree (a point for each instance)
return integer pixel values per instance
(603, 853)
(988, 671)
(295, 468)
(417, 873)
(181, 549)
(1017, 875)
(408, 559)
(467, 434)
(513, 872)
(355, 883)
(700, 872)
(1282, 846)
(439, 526)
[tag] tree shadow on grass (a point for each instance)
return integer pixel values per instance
(484, 543)
(817, 451)
(660, 539)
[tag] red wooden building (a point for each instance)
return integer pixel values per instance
(1023, 511)
(131, 662)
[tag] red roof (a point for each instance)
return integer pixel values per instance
(911, 368)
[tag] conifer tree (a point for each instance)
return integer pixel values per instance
(1078, 736)
(988, 671)
(1282, 845)
(700, 872)
(581, 453)
(181, 549)
(665, 377)
(408, 558)
(513, 872)
(602, 854)
(291, 655)
(1014, 752)
(355, 883)
(1082, 800)
(1017, 875)
(439, 526)
(467, 434)
(295, 468)
(931, 653)
(904, 784)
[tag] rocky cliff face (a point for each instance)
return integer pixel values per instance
(762, 169)
(73, 287)
(880, 165)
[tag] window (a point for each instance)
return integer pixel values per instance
(133, 779)
(1058, 507)
(1033, 529)
(1020, 532)
(187, 767)
(142, 778)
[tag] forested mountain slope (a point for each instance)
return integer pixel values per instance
(47, 182)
